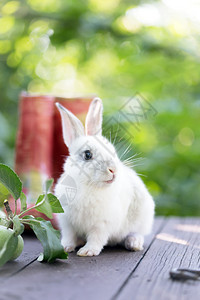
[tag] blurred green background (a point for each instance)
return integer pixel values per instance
(114, 49)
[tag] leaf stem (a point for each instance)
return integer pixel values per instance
(30, 208)
(8, 209)
(26, 221)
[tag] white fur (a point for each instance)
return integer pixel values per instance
(101, 213)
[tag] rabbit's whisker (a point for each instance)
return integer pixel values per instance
(142, 175)
(135, 155)
(128, 151)
(134, 163)
(125, 151)
(133, 159)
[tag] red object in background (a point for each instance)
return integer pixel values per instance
(40, 149)
(34, 144)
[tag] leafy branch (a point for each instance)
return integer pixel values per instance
(46, 203)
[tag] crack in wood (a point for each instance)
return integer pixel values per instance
(135, 268)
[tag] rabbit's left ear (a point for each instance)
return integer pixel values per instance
(71, 126)
(93, 122)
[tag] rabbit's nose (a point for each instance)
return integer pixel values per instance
(111, 170)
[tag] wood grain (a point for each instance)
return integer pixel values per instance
(78, 277)
(177, 245)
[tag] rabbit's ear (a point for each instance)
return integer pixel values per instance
(93, 122)
(71, 125)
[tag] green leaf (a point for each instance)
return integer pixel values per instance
(23, 201)
(55, 203)
(44, 208)
(48, 185)
(50, 239)
(18, 227)
(10, 181)
(4, 193)
(8, 249)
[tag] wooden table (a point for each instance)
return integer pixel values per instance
(115, 273)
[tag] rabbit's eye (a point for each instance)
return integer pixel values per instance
(87, 154)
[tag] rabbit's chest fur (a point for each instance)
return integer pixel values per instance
(93, 209)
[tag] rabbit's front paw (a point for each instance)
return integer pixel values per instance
(69, 248)
(134, 242)
(88, 251)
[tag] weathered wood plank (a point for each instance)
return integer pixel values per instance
(78, 277)
(32, 249)
(178, 245)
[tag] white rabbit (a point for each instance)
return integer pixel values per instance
(104, 201)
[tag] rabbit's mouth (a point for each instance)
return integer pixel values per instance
(111, 180)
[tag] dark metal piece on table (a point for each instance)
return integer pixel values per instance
(185, 274)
